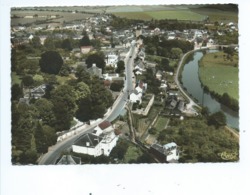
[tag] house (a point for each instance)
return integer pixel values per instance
(167, 153)
(36, 92)
(159, 75)
(111, 60)
(109, 76)
(69, 160)
(100, 142)
(86, 49)
(94, 70)
(135, 97)
(181, 106)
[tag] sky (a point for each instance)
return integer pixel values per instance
(206, 178)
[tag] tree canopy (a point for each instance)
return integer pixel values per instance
(51, 62)
(96, 58)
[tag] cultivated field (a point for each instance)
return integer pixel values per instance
(183, 14)
(220, 74)
(218, 15)
(43, 15)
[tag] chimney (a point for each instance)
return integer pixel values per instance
(93, 65)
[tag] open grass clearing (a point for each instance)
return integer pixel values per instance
(220, 75)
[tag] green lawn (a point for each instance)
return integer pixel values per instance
(132, 153)
(160, 123)
(219, 75)
(15, 79)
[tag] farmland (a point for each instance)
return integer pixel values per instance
(220, 74)
(44, 15)
(218, 15)
(184, 14)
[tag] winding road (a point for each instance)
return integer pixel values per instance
(190, 100)
(119, 105)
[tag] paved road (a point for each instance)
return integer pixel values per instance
(118, 106)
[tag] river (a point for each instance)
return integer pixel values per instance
(190, 81)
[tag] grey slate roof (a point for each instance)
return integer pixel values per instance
(88, 140)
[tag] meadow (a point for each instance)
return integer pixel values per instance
(218, 15)
(220, 74)
(182, 14)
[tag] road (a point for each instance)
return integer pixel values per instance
(55, 151)
(190, 100)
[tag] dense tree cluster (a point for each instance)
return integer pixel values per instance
(97, 59)
(166, 48)
(30, 136)
(174, 25)
(199, 142)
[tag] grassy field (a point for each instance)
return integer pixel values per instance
(218, 15)
(62, 16)
(163, 14)
(161, 123)
(15, 79)
(220, 74)
(132, 153)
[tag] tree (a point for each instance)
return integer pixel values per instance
(49, 43)
(64, 102)
(67, 45)
(27, 81)
(16, 92)
(176, 53)
(51, 62)
(82, 91)
(36, 42)
(65, 70)
(40, 139)
(84, 41)
(95, 105)
(82, 75)
(120, 66)
(96, 58)
(164, 65)
(45, 111)
(217, 119)
(116, 86)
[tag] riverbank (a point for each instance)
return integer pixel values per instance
(193, 88)
(218, 75)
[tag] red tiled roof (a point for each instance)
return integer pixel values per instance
(104, 125)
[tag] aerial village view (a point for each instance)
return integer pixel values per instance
(124, 84)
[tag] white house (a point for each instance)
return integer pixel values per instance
(109, 76)
(86, 49)
(168, 153)
(100, 142)
(159, 75)
(135, 97)
(171, 151)
(111, 60)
